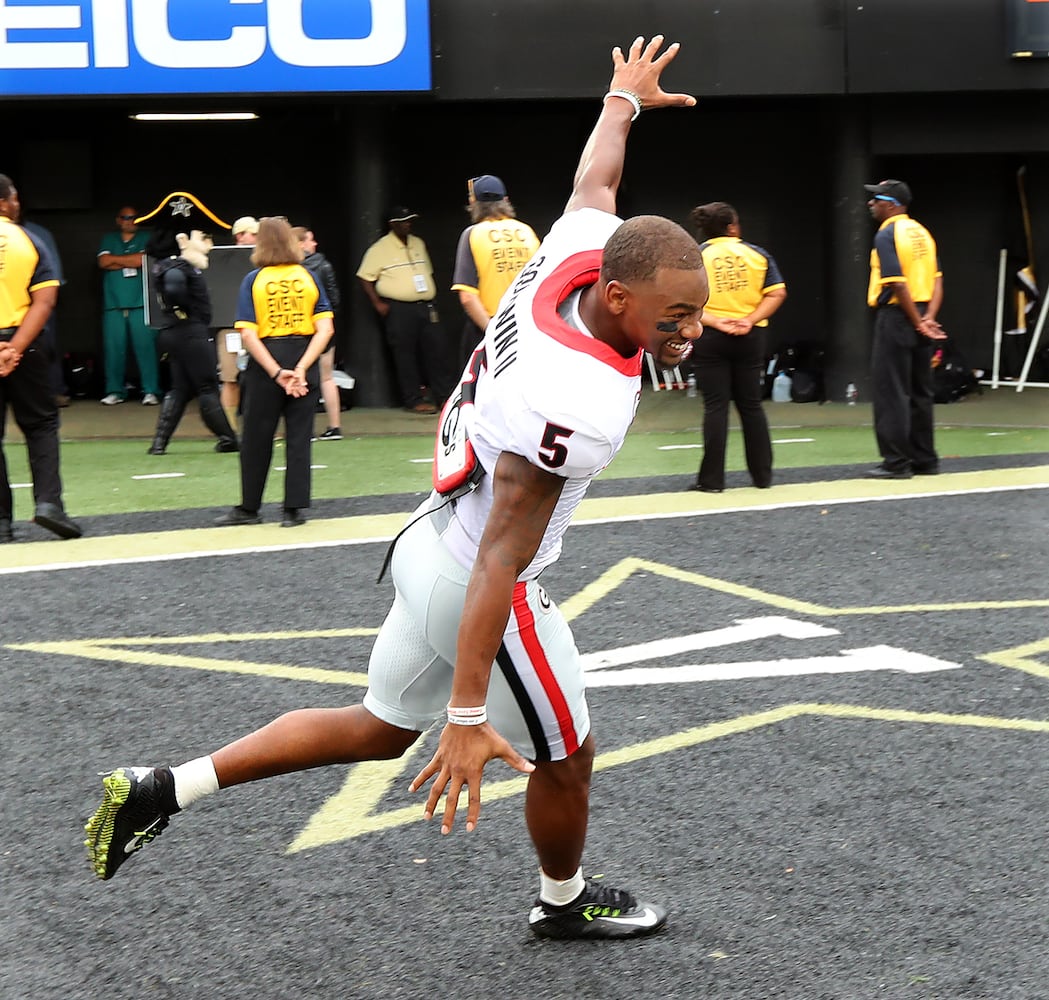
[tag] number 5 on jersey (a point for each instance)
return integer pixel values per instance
(553, 453)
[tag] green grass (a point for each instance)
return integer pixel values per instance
(99, 475)
(807, 447)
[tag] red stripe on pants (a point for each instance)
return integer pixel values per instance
(541, 666)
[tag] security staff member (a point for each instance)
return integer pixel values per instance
(397, 276)
(491, 252)
(746, 288)
(906, 291)
(28, 292)
(285, 323)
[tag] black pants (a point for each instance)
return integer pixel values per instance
(31, 397)
(471, 336)
(728, 370)
(901, 372)
(420, 355)
(264, 403)
(49, 336)
(190, 351)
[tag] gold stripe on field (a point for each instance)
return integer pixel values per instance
(618, 574)
(353, 810)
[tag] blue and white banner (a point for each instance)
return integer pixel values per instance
(141, 47)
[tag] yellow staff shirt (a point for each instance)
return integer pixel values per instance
(740, 275)
(281, 301)
(25, 267)
(904, 250)
(489, 255)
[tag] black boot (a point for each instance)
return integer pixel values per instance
(167, 420)
(217, 422)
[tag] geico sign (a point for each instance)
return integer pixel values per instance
(237, 44)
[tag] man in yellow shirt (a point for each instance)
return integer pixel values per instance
(397, 276)
(492, 250)
(906, 291)
(28, 292)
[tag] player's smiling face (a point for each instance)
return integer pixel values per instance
(663, 315)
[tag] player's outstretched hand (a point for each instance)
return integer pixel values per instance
(639, 72)
(459, 763)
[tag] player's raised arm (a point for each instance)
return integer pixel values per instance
(634, 88)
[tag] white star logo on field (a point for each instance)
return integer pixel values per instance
(370, 799)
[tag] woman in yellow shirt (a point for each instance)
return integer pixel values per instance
(285, 321)
(746, 288)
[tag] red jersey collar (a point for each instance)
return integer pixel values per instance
(578, 271)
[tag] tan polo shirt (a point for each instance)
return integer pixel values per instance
(401, 272)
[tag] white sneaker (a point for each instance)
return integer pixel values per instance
(112, 399)
(149, 399)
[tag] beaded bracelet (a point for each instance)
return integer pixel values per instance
(627, 95)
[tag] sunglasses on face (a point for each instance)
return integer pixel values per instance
(125, 216)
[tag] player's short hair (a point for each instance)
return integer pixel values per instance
(644, 245)
(6, 186)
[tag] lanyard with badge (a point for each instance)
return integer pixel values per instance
(418, 280)
(420, 283)
(129, 272)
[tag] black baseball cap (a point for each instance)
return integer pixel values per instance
(401, 214)
(890, 189)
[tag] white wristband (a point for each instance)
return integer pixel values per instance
(473, 720)
(463, 711)
(458, 716)
(479, 720)
(627, 95)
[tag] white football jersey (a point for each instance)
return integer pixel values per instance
(549, 391)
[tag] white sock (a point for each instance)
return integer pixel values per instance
(560, 893)
(194, 780)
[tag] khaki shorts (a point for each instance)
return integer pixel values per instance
(228, 370)
(537, 693)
